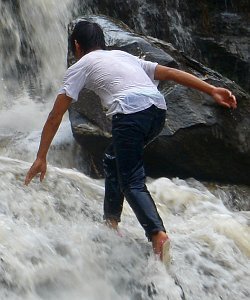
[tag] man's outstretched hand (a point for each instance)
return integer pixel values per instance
(224, 97)
(39, 167)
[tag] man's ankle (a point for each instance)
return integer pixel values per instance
(112, 223)
(158, 239)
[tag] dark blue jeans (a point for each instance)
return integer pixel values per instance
(124, 171)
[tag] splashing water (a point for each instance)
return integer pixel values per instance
(53, 244)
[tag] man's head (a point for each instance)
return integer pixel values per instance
(86, 37)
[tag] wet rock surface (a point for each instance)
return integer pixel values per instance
(200, 139)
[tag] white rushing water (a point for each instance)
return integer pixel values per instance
(53, 243)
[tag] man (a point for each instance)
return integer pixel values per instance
(127, 87)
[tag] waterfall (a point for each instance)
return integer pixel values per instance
(53, 243)
(180, 34)
(34, 39)
(30, 39)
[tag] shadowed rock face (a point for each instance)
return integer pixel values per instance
(200, 139)
(222, 36)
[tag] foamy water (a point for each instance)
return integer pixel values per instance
(53, 243)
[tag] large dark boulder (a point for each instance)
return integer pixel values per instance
(200, 139)
(216, 32)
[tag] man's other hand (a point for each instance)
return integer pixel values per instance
(39, 167)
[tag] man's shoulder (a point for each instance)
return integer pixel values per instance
(119, 52)
(85, 60)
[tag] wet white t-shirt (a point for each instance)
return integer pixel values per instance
(124, 83)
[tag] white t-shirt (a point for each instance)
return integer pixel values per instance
(124, 82)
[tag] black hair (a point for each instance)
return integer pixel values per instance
(88, 35)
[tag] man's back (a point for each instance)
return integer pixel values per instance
(116, 77)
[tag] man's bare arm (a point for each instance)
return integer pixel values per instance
(50, 128)
(222, 96)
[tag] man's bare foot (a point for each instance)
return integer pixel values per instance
(158, 240)
(111, 223)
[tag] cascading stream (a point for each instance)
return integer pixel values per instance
(53, 243)
(34, 39)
